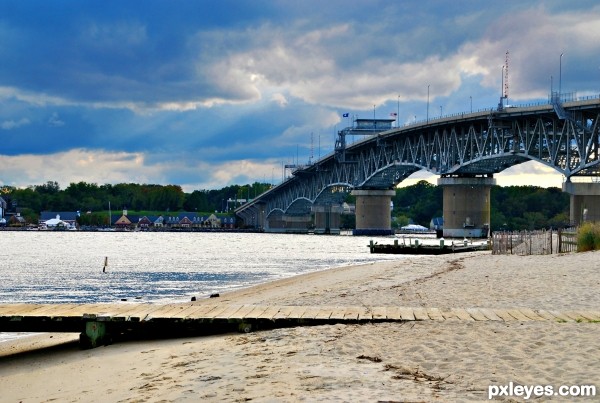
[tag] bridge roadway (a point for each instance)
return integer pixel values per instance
(99, 324)
(462, 147)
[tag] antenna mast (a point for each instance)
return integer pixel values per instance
(506, 76)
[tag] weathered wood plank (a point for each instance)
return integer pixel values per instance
(462, 314)
(590, 315)
(256, 312)
(324, 313)
(269, 313)
(490, 314)
(379, 313)
(296, 312)
(515, 313)
(311, 312)
(576, 316)
(420, 314)
(243, 312)
(435, 314)
(545, 314)
(561, 316)
(448, 314)
(203, 312)
(284, 312)
(224, 312)
(338, 312)
(530, 313)
(406, 313)
(504, 315)
(476, 314)
(393, 313)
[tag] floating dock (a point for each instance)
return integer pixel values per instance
(424, 249)
(100, 324)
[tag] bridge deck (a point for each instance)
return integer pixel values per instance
(101, 323)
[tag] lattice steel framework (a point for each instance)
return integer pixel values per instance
(564, 137)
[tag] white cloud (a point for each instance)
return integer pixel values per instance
(11, 124)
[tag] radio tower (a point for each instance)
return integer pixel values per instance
(506, 77)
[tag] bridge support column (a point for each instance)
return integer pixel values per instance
(373, 214)
(327, 219)
(585, 201)
(466, 206)
(289, 224)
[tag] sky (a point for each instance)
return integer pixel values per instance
(207, 94)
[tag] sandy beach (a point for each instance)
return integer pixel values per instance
(420, 361)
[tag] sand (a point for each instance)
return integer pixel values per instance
(427, 361)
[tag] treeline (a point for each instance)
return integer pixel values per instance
(513, 207)
(90, 197)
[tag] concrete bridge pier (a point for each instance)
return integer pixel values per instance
(279, 222)
(585, 201)
(466, 206)
(327, 218)
(373, 213)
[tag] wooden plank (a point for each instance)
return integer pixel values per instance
(366, 314)
(561, 317)
(7, 309)
(420, 314)
(338, 312)
(448, 314)
(545, 314)
(50, 309)
(242, 312)
(574, 315)
(269, 313)
(296, 312)
(490, 314)
(462, 314)
(167, 311)
(435, 314)
(142, 312)
(224, 311)
(590, 315)
(406, 313)
(504, 315)
(530, 313)
(379, 313)
(354, 312)
(515, 313)
(283, 312)
(476, 314)
(203, 312)
(324, 313)
(256, 311)
(22, 309)
(311, 312)
(393, 313)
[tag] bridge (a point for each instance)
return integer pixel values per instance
(464, 149)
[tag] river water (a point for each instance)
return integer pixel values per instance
(69, 267)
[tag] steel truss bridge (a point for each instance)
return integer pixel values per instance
(561, 135)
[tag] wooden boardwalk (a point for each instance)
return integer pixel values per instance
(98, 323)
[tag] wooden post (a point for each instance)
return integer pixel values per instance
(94, 335)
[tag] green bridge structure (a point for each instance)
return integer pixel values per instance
(464, 149)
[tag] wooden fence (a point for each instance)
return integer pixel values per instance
(544, 242)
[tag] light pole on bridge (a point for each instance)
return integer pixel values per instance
(427, 102)
(560, 76)
(471, 98)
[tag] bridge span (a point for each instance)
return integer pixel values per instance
(465, 150)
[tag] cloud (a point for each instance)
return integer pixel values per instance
(11, 124)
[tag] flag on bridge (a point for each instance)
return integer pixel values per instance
(393, 114)
(345, 115)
